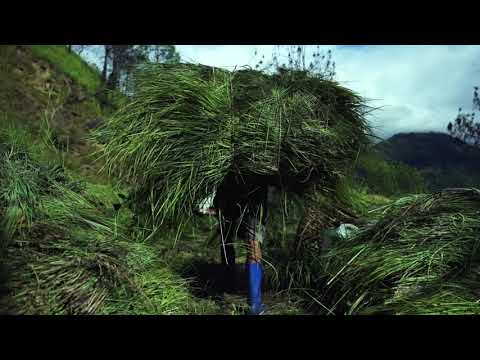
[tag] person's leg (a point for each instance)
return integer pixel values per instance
(254, 236)
(255, 277)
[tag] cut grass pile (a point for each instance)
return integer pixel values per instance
(421, 257)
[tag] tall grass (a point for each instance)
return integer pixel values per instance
(20, 181)
(19, 193)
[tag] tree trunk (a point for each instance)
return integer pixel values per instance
(105, 63)
(112, 82)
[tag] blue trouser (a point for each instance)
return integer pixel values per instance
(254, 272)
(255, 275)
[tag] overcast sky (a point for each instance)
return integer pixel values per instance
(419, 87)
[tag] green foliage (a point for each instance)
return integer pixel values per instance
(299, 57)
(125, 59)
(42, 255)
(164, 54)
(66, 276)
(71, 64)
(296, 227)
(357, 197)
(465, 127)
(52, 112)
(157, 290)
(388, 178)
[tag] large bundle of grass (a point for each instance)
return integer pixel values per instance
(421, 257)
(187, 128)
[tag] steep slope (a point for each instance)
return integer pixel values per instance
(38, 93)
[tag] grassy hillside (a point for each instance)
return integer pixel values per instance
(70, 64)
(64, 247)
(39, 90)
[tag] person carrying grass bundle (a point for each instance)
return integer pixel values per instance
(190, 130)
(242, 211)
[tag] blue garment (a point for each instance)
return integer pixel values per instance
(255, 275)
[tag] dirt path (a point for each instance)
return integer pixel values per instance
(209, 282)
(197, 258)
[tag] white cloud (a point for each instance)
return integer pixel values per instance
(226, 56)
(419, 87)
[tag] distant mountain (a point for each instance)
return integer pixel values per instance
(443, 160)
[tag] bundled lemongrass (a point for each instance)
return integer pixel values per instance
(173, 140)
(422, 256)
(64, 276)
(19, 191)
(188, 128)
